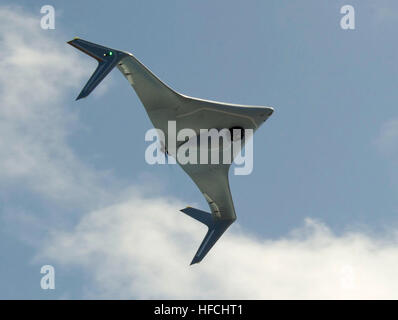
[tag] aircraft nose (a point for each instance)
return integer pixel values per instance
(270, 111)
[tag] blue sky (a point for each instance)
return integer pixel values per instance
(327, 154)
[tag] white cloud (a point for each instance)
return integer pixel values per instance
(387, 141)
(38, 71)
(141, 248)
(137, 246)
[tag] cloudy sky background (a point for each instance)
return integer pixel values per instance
(317, 218)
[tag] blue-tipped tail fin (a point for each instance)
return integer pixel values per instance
(107, 59)
(202, 216)
(216, 229)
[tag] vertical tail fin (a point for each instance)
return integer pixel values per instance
(216, 229)
(107, 59)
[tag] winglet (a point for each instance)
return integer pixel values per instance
(216, 229)
(107, 59)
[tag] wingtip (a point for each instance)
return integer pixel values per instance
(83, 94)
(80, 96)
(71, 41)
(195, 260)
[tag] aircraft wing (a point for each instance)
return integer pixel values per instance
(212, 181)
(163, 104)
